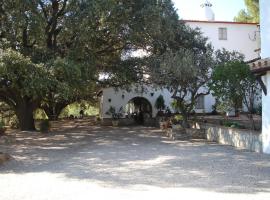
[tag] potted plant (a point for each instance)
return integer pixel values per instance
(160, 105)
(44, 126)
(176, 121)
(115, 115)
(2, 128)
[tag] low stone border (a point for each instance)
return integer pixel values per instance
(240, 138)
(184, 133)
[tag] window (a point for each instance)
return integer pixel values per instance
(200, 103)
(222, 33)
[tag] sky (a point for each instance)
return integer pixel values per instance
(225, 10)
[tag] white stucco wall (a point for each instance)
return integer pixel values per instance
(265, 53)
(239, 36)
(266, 115)
(265, 28)
(118, 101)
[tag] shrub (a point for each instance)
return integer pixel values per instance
(44, 126)
(160, 103)
(233, 125)
(177, 119)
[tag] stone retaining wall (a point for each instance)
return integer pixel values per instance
(240, 138)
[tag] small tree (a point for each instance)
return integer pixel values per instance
(185, 74)
(160, 103)
(233, 83)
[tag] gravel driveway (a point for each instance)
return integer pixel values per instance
(90, 162)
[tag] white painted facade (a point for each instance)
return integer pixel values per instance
(265, 53)
(266, 115)
(241, 37)
(120, 98)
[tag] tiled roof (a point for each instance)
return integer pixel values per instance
(220, 22)
(260, 66)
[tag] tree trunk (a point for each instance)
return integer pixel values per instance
(50, 112)
(53, 111)
(252, 122)
(185, 123)
(26, 117)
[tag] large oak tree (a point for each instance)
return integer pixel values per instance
(53, 51)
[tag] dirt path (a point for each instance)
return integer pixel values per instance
(89, 162)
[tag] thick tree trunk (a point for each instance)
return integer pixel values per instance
(26, 117)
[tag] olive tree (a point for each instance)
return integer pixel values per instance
(233, 83)
(184, 71)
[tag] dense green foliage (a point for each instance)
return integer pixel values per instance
(251, 14)
(233, 124)
(57, 52)
(184, 69)
(53, 51)
(234, 86)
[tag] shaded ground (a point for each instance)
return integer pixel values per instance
(90, 162)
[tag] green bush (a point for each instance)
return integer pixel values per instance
(233, 124)
(160, 103)
(177, 119)
(44, 126)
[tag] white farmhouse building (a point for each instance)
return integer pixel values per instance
(261, 68)
(233, 36)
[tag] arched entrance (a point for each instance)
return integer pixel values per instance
(139, 108)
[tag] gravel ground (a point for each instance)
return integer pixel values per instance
(90, 162)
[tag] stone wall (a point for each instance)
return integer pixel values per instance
(240, 138)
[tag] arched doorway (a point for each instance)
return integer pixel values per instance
(139, 108)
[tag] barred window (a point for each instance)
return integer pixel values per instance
(222, 33)
(200, 103)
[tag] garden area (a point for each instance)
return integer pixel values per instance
(181, 117)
